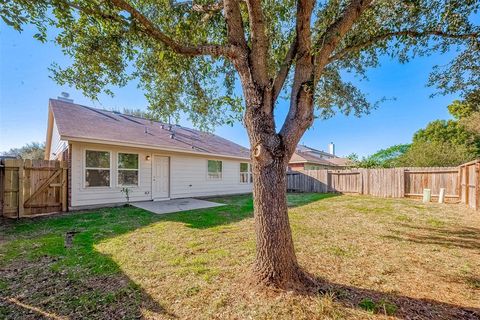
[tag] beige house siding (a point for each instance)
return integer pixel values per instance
(188, 176)
(57, 144)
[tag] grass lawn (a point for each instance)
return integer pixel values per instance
(375, 258)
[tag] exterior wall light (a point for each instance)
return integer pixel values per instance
(147, 158)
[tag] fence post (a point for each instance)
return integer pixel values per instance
(27, 184)
(459, 183)
(467, 186)
(360, 191)
(477, 186)
(64, 190)
(2, 185)
(21, 194)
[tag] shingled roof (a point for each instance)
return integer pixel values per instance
(304, 154)
(78, 122)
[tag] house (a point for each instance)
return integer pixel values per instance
(108, 151)
(307, 158)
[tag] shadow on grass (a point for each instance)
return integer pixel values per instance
(401, 307)
(41, 279)
(448, 237)
(236, 209)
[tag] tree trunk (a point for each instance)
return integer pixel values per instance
(275, 264)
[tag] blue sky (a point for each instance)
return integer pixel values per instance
(25, 87)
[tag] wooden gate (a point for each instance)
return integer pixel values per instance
(469, 176)
(33, 187)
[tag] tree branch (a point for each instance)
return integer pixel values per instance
(202, 8)
(335, 33)
(282, 74)
(258, 56)
(409, 33)
(98, 13)
(236, 37)
(309, 67)
(233, 19)
(300, 113)
(154, 32)
(208, 8)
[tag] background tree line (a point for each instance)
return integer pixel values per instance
(440, 143)
(32, 150)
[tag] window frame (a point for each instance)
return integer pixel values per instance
(118, 169)
(221, 170)
(85, 168)
(248, 173)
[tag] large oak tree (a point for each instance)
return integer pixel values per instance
(188, 56)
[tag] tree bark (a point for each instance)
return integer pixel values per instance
(275, 263)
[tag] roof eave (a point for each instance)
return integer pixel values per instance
(48, 138)
(147, 146)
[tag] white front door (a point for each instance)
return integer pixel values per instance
(160, 177)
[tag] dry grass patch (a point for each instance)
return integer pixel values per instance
(375, 258)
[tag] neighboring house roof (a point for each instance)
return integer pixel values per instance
(81, 123)
(304, 154)
(343, 162)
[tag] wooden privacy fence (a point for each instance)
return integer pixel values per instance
(461, 183)
(32, 187)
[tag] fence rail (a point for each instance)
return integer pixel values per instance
(32, 187)
(462, 184)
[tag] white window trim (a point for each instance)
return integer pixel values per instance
(221, 172)
(249, 173)
(84, 169)
(120, 169)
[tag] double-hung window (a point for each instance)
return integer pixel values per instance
(127, 169)
(97, 168)
(214, 169)
(246, 173)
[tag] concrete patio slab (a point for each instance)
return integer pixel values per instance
(176, 205)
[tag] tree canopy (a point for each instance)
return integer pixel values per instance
(455, 132)
(33, 151)
(435, 154)
(462, 109)
(384, 158)
(183, 53)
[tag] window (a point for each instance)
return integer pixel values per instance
(312, 167)
(127, 169)
(97, 168)
(246, 173)
(214, 169)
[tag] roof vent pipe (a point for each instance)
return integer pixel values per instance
(331, 148)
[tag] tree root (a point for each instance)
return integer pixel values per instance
(296, 281)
